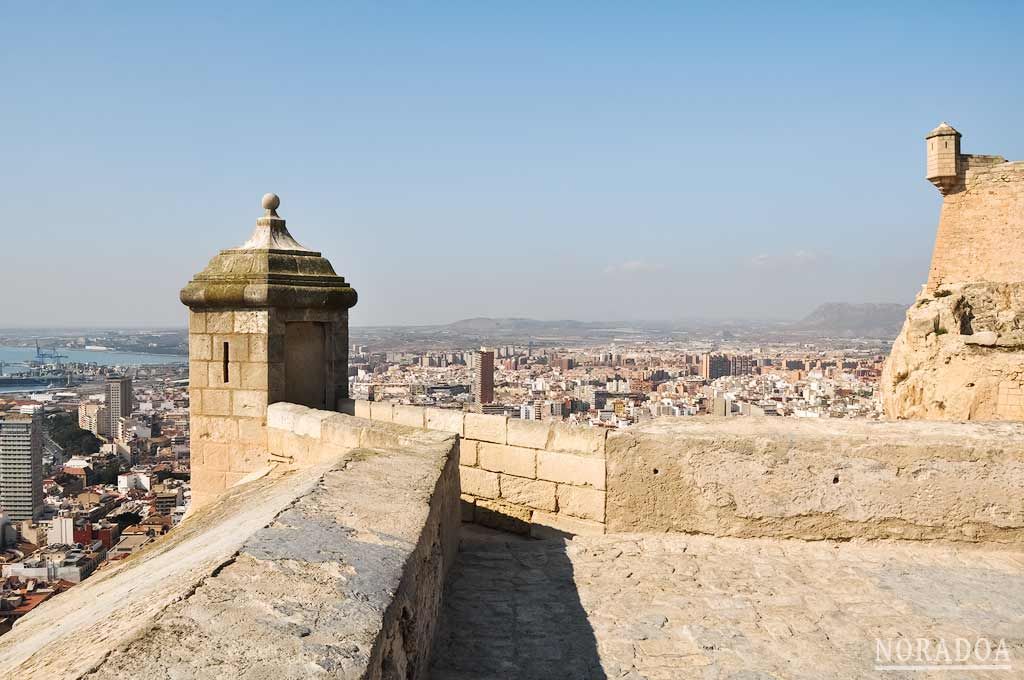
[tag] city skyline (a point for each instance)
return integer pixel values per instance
(544, 163)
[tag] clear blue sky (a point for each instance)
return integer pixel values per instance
(553, 160)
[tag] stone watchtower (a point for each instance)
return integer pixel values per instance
(943, 145)
(268, 322)
(960, 355)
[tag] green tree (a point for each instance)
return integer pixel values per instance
(126, 519)
(64, 430)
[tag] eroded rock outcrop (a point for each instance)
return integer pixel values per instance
(960, 355)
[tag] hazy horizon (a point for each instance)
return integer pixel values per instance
(569, 162)
(693, 319)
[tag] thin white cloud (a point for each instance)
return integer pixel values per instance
(797, 257)
(633, 267)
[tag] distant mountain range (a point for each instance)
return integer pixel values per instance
(879, 322)
(843, 319)
(875, 320)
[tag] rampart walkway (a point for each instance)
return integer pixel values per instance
(677, 606)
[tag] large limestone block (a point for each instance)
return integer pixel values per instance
(444, 419)
(468, 451)
(250, 321)
(568, 468)
(283, 415)
(498, 514)
(477, 482)
(512, 460)
(383, 411)
(830, 479)
(581, 502)
(533, 434)
(577, 439)
(408, 415)
(486, 428)
(534, 493)
(200, 347)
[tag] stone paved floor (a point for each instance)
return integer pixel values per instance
(673, 606)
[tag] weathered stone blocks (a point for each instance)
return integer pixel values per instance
(523, 457)
(382, 411)
(832, 479)
(254, 376)
(446, 420)
(577, 439)
(531, 434)
(503, 516)
(468, 451)
(529, 492)
(581, 502)
(479, 482)
(486, 428)
(216, 402)
(568, 468)
(411, 416)
(249, 403)
(220, 322)
(509, 459)
(200, 347)
(251, 321)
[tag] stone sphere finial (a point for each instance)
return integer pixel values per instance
(271, 202)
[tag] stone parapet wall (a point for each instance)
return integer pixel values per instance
(329, 562)
(518, 475)
(746, 477)
(814, 480)
(407, 506)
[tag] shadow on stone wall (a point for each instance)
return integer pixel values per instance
(511, 610)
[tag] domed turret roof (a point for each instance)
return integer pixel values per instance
(271, 269)
(943, 129)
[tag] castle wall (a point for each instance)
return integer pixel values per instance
(517, 475)
(981, 227)
(746, 477)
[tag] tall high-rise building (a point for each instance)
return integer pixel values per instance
(21, 465)
(119, 401)
(483, 376)
(714, 366)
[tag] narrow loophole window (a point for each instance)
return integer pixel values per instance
(225, 362)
